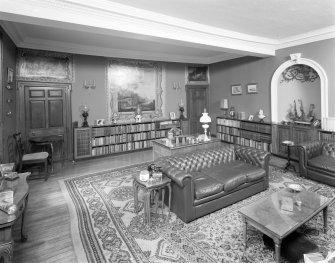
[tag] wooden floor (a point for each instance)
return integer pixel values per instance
(47, 219)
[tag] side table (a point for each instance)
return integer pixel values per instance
(149, 187)
(289, 165)
(21, 192)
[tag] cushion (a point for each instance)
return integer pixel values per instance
(326, 163)
(205, 186)
(35, 156)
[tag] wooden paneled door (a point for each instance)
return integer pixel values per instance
(197, 97)
(45, 110)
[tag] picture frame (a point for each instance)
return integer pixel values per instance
(100, 122)
(143, 89)
(252, 88)
(316, 123)
(10, 75)
(251, 117)
(236, 89)
(44, 66)
(197, 74)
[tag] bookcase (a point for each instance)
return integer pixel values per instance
(110, 139)
(244, 132)
(326, 135)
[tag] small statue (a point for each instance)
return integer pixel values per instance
(138, 114)
(232, 112)
(261, 115)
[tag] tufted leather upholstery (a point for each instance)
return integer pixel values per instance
(207, 180)
(317, 161)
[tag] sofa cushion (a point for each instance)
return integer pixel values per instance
(323, 162)
(204, 185)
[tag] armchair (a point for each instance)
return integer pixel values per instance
(317, 161)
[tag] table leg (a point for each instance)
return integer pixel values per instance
(169, 186)
(163, 196)
(277, 250)
(135, 196)
(146, 197)
(52, 157)
(325, 216)
(24, 237)
(245, 225)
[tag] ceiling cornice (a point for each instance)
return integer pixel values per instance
(111, 18)
(114, 19)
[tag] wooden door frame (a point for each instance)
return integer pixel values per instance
(188, 88)
(20, 107)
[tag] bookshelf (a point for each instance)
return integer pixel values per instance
(326, 135)
(244, 132)
(111, 139)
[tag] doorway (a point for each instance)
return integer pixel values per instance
(197, 97)
(45, 110)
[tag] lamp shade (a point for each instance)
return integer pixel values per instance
(205, 118)
(224, 104)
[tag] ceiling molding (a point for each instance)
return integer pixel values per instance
(85, 16)
(105, 17)
(312, 36)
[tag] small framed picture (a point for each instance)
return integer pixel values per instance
(100, 122)
(172, 115)
(10, 75)
(251, 117)
(252, 88)
(236, 89)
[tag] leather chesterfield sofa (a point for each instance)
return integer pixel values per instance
(317, 161)
(208, 180)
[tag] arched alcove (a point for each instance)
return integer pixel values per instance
(295, 59)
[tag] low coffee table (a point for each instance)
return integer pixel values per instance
(273, 216)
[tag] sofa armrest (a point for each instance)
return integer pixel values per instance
(308, 150)
(176, 175)
(253, 156)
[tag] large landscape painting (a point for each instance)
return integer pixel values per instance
(132, 84)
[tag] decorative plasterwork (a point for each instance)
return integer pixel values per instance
(275, 81)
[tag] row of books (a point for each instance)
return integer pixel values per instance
(127, 137)
(115, 148)
(257, 127)
(327, 136)
(228, 122)
(228, 130)
(263, 145)
(125, 128)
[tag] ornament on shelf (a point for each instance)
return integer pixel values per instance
(85, 111)
(261, 115)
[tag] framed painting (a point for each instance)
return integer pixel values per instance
(236, 89)
(252, 88)
(197, 74)
(44, 66)
(133, 86)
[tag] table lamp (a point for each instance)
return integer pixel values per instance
(205, 119)
(224, 106)
(85, 111)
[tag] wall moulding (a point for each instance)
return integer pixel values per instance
(296, 59)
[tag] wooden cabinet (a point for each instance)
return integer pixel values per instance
(326, 135)
(82, 142)
(243, 132)
(295, 133)
(185, 126)
(110, 139)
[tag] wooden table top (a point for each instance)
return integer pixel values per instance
(21, 190)
(273, 213)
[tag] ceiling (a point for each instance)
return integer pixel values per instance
(188, 31)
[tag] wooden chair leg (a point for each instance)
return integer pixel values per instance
(46, 174)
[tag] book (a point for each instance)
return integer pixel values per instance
(287, 204)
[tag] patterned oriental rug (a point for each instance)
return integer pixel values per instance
(105, 228)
